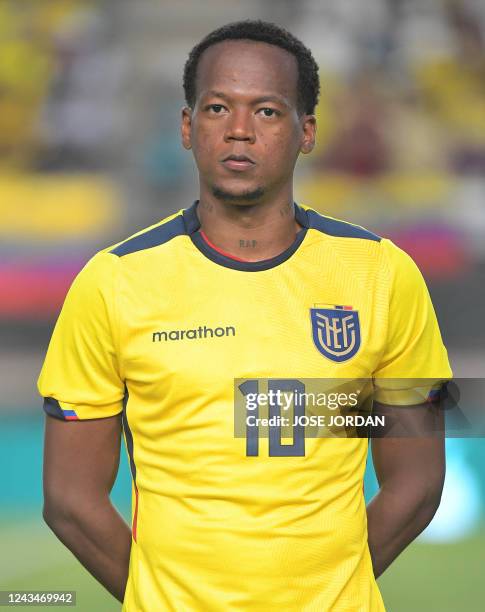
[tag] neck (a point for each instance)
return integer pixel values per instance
(250, 232)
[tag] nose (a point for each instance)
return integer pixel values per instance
(240, 126)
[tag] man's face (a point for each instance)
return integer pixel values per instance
(246, 108)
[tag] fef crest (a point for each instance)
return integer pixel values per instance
(336, 332)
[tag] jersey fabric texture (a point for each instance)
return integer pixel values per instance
(157, 328)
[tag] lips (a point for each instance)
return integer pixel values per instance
(238, 162)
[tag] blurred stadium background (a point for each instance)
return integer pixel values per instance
(90, 97)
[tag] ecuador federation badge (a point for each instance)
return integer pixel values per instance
(336, 331)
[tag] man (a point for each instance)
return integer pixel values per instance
(155, 330)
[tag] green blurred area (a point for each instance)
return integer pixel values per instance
(426, 578)
(437, 578)
(36, 560)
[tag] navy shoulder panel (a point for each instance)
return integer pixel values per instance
(333, 227)
(152, 238)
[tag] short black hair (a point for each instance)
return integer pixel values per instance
(261, 31)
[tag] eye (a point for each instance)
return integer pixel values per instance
(268, 112)
(215, 108)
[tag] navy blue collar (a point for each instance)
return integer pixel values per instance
(192, 225)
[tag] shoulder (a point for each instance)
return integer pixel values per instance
(347, 245)
(102, 270)
(363, 248)
(155, 235)
(401, 268)
(329, 226)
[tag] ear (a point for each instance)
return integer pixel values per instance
(186, 127)
(309, 127)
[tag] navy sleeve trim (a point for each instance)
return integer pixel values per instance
(53, 409)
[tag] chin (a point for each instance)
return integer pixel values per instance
(240, 197)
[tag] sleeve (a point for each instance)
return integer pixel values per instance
(80, 377)
(414, 364)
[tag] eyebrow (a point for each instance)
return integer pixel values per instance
(259, 100)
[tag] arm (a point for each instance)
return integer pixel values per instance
(81, 460)
(410, 472)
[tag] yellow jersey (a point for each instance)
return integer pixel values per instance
(158, 327)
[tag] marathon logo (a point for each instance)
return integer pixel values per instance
(197, 333)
